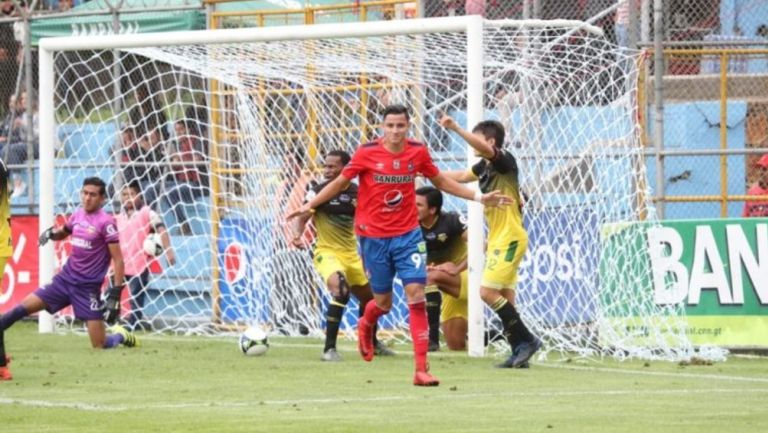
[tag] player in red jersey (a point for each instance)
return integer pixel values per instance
(387, 225)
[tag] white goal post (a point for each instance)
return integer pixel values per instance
(548, 82)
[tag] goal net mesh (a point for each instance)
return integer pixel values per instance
(224, 139)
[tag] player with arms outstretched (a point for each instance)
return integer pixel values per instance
(95, 243)
(446, 236)
(507, 238)
(335, 252)
(6, 251)
(388, 229)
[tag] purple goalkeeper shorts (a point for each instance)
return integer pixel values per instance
(85, 298)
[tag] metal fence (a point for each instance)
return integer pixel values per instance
(374, 10)
(715, 130)
(714, 67)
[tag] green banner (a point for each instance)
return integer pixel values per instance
(718, 268)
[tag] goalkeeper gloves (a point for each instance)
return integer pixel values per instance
(45, 236)
(112, 304)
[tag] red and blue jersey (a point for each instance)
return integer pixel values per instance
(386, 200)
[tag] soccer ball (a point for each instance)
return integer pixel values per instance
(253, 342)
(153, 246)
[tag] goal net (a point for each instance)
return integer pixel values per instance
(224, 131)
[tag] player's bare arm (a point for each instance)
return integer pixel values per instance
(117, 263)
(170, 254)
(492, 199)
(460, 176)
(297, 230)
(328, 192)
(483, 147)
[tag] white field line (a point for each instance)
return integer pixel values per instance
(658, 373)
(91, 407)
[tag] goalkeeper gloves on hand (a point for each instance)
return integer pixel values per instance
(45, 236)
(112, 304)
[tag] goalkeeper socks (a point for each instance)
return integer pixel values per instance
(514, 330)
(419, 333)
(13, 316)
(332, 322)
(434, 299)
(113, 340)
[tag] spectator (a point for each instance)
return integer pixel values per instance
(758, 208)
(475, 7)
(184, 184)
(6, 127)
(8, 9)
(8, 65)
(147, 114)
(621, 24)
(65, 5)
(17, 150)
(144, 159)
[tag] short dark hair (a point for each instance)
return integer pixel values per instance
(134, 185)
(95, 181)
(395, 109)
(433, 195)
(343, 156)
(491, 129)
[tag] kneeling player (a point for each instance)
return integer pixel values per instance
(446, 236)
(335, 253)
(94, 244)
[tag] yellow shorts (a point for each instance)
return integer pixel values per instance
(456, 307)
(501, 265)
(328, 262)
(3, 261)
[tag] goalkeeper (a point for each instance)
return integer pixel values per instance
(507, 238)
(335, 254)
(95, 243)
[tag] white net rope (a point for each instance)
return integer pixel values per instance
(259, 116)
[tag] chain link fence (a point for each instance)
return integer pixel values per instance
(691, 78)
(715, 130)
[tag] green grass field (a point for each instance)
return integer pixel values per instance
(175, 384)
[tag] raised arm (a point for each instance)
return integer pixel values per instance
(476, 141)
(328, 192)
(493, 198)
(460, 176)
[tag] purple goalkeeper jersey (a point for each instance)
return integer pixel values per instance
(90, 257)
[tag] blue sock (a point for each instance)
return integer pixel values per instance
(113, 340)
(13, 316)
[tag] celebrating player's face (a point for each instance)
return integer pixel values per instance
(395, 128)
(91, 198)
(332, 167)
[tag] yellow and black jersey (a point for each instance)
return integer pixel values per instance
(334, 219)
(505, 224)
(6, 243)
(444, 239)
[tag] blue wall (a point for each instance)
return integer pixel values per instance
(696, 125)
